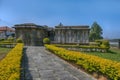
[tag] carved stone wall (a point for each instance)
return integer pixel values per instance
(67, 34)
(31, 34)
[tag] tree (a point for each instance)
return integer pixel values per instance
(95, 32)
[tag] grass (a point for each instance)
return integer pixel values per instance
(113, 54)
(3, 52)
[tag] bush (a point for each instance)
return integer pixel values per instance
(89, 62)
(103, 44)
(2, 39)
(10, 39)
(10, 65)
(19, 40)
(106, 43)
(46, 41)
(99, 42)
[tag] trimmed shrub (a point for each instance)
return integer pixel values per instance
(8, 43)
(10, 39)
(85, 48)
(103, 44)
(106, 43)
(99, 42)
(46, 41)
(2, 39)
(19, 40)
(10, 65)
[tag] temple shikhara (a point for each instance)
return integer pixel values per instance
(33, 34)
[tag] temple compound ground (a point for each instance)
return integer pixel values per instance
(39, 64)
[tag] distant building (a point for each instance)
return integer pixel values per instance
(5, 32)
(33, 34)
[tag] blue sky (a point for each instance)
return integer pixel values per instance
(70, 12)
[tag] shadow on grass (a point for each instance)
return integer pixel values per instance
(25, 72)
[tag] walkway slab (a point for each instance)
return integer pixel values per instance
(39, 64)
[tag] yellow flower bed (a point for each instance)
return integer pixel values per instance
(10, 65)
(89, 62)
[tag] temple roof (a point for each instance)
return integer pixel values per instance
(28, 25)
(72, 27)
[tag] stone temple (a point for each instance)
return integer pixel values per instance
(33, 34)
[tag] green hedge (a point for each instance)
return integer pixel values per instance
(84, 47)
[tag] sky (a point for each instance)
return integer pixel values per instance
(69, 12)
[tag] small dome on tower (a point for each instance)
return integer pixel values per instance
(60, 24)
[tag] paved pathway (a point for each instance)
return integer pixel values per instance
(39, 64)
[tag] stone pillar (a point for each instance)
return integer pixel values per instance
(67, 36)
(62, 33)
(70, 37)
(58, 36)
(73, 36)
(78, 36)
(55, 36)
(63, 36)
(87, 36)
(82, 37)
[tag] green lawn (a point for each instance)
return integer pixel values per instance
(3, 52)
(113, 54)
